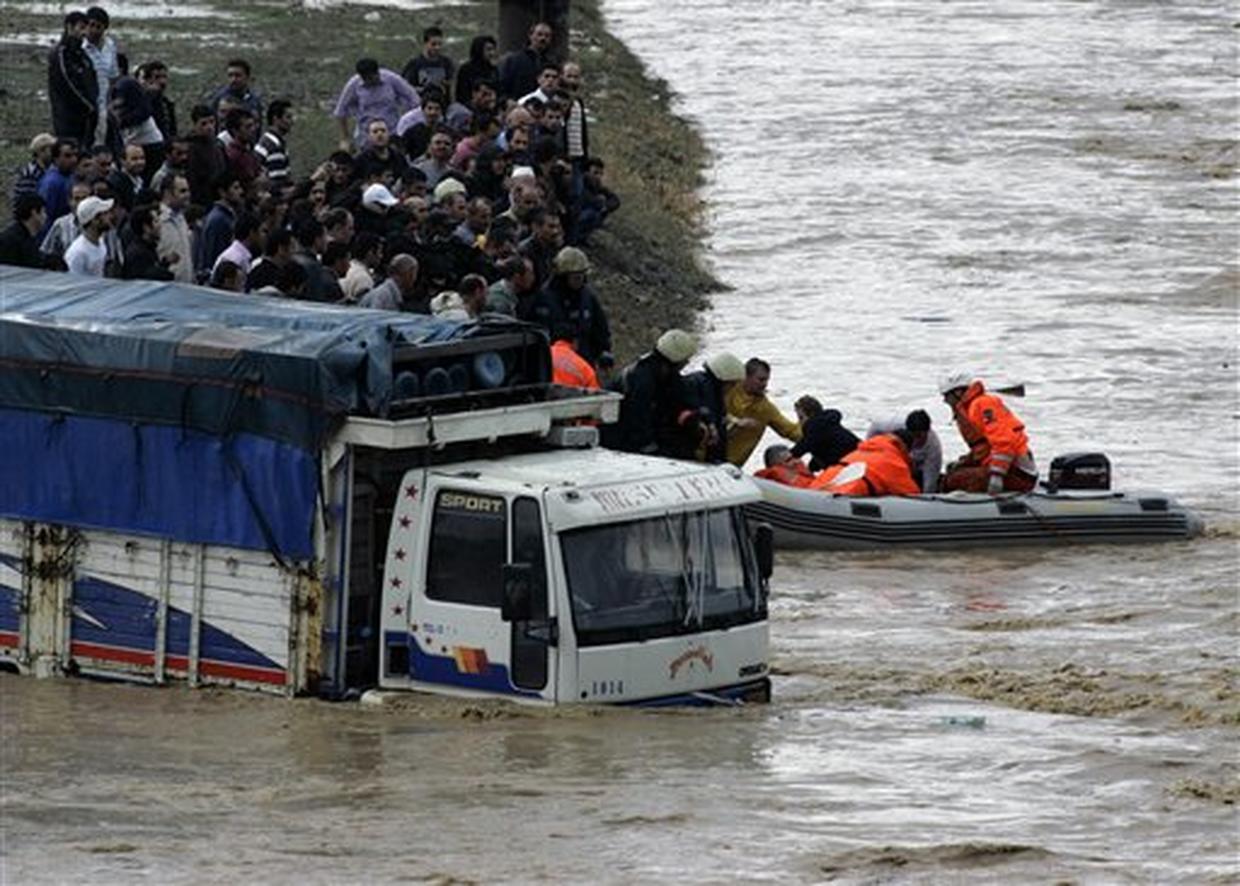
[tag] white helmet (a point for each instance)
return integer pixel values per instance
(726, 367)
(954, 380)
(676, 346)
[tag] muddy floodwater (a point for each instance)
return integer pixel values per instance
(1041, 192)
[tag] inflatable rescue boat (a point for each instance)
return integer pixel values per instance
(1055, 513)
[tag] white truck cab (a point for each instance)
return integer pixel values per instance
(574, 576)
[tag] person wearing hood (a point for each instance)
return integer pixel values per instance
(72, 86)
(489, 175)
(999, 458)
(707, 391)
(822, 436)
(483, 51)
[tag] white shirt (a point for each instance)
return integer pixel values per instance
(84, 257)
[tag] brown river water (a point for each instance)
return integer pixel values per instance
(1038, 191)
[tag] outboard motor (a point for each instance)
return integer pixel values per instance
(1080, 470)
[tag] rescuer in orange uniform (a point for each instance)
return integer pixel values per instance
(570, 368)
(999, 459)
(783, 467)
(878, 466)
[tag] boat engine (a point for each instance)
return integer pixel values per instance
(1080, 470)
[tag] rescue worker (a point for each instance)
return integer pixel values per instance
(654, 400)
(707, 391)
(999, 459)
(926, 451)
(750, 413)
(783, 467)
(568, 302)
(878, 466)
(567, 366)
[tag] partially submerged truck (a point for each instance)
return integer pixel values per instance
(312, 499)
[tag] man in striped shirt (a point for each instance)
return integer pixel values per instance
(272, 148)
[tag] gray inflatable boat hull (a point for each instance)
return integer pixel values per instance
(805, 518)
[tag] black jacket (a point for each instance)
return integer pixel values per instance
(206, 164)
(141, 263)
(73, 91)
(653, 402)
(825, 439)
(518, 72)
(556, 308)
(477, 68)
(704, 393)
(127, 193)
(19, 247)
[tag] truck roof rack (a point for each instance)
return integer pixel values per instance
(546, 407)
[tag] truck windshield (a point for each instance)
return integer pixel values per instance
(670, 575)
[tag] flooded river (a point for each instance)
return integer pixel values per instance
(1038, 191)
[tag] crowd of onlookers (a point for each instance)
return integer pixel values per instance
(455, 190)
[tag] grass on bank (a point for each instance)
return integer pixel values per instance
(647, 258)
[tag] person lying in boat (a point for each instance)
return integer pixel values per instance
(878, 466)
(784, 467)
(999, 458)
(926, 451)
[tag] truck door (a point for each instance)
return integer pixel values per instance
(533, 639)
(457, 638)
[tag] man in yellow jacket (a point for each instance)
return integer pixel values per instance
(750, 413)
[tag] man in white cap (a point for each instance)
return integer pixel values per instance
(88, 254)
(372, 215)
(450, 196)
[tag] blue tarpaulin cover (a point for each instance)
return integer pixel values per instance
(182, 411)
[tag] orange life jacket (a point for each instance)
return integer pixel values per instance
(570, 368)
(790, 473)
(878, 466)
(995, 436)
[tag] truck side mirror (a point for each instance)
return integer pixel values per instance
(764, 548)
(517, 602)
